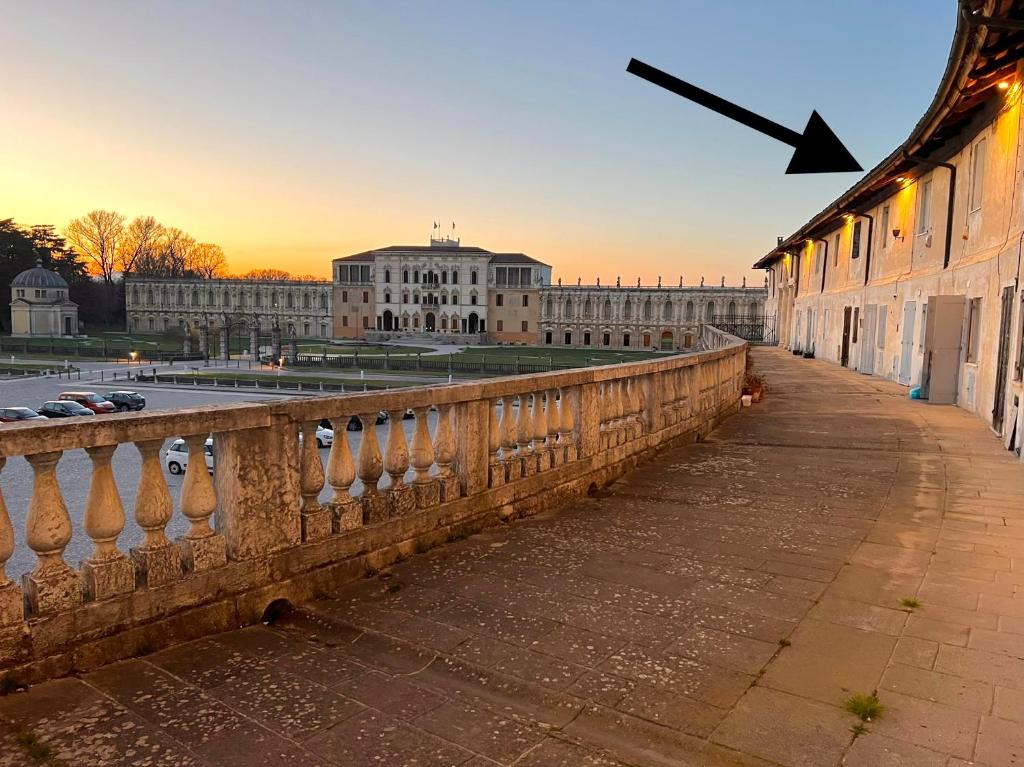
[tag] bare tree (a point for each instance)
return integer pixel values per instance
(141, 245)
(176, 254)
(207, 261)
(266, 274)
(95, 238)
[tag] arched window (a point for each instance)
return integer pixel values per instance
(195, 297)
(241, 300)
(323, 301)
(689, 310)
(455, 277)
(305, 300)
(444, 278)
(387, 276)
(135, 295)
(472, 277)
(648, 309)
(666, 311)
(753, 310)
(549, 306)
(149, 296)
(289, 300)
(588, 310)
(387, 298)
(732, 308)
(416, 275)
(709, 311)
(455, 299)
(606, 313)
(405, 275)
(568, 308)
(227, 299)
(273, 298)
(181, 297)
(627, 310)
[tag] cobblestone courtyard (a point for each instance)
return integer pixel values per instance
(717, 607)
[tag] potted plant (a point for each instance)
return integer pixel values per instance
(753, 384)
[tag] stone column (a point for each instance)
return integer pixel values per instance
(472, 445)
(254, 341)
(421, 457)
(204, 341)
(401, 499)
(370, 468)
(11, 609)
(346, 511)
(293, 350)
(316, 520)
(225, 341)
(52, 586)
(107, 572)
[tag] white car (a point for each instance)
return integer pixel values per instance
(324, 436)
(176, 457)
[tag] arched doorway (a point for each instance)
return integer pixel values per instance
(666, 341)
(474, 323)
(429, 322)
(389, 320)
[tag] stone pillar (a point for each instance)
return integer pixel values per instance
(204, 341)
(293, 350)
(186, 345)
(316, 520)
(275, 343)
(471, 457)
(258, 490)
(254, 341)
(225, 340)
(346, 511)
(11, 610)
(157, 560)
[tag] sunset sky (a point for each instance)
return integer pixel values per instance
(292, 133)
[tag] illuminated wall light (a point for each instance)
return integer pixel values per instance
(1003, 86)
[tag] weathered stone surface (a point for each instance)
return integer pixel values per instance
(11, 608)
(102, 580)
(428, 494)
(449, 489)
(375, 508)
(317, 524)
(157, 567)
(346, 515)
(401, 501)
(201, 554)
(53, 591)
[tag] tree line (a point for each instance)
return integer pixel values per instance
(95, 252)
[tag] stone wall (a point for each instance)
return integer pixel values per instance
(500, 449)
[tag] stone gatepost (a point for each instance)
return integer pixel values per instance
(293, 350)
(204, 341)
(254, 341)
(225, 350)
(275, 343)
(186, 344)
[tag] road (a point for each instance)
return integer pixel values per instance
(75, 469)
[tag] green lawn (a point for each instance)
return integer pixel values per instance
(369, 350)
(268, 379)
(557, 355)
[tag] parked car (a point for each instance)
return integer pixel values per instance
(64, 409)
(354, 424)
(176, 457)
(88, 399)
(13, 414)
(324, 435)
(126, 400)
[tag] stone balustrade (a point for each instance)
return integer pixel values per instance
(257, 531)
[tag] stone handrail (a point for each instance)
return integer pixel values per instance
(257, 531)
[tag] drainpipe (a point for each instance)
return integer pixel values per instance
(949, 204)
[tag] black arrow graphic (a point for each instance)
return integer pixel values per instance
(818, 149)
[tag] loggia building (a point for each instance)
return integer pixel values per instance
(914, 274)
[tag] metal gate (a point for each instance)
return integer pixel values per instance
(758, 330)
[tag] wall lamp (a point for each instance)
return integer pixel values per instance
(896, 234)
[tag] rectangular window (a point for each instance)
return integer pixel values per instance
(568, 338)
(586, 339)
(526, 326)
(924, 208)
(606, 339)
(625, 339)
(855, 247)
(835, 252)
(973, 329)
(501, 325)
(366, 322)
(499, 299)
(364, 274)
(501, 276)
(547, 337)
(472, 300)
(526, 300)
(885, 226)
(366, 297)
(978, 174)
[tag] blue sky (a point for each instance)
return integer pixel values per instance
(292, 133)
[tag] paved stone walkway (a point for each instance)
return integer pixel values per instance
(717, 607)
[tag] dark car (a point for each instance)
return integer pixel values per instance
(13, 414)
(354, 424)
(88, 399)
(63, 409)
(126, 400)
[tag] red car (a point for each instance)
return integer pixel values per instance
(14, 414)
(89, 399)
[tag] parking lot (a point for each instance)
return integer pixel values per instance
(75, 469)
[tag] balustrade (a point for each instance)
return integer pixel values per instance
(469, 449)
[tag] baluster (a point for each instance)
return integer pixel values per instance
(444, 450)
(635, 426)
(316, 520)
(401, 500)
(567, 426)
(669, 396)
(157, 560)
(513, 466)
(524, 437)
(371, 466)
(426, 490)
(52, 586)
(107, 572)
(540, 430)
(201, 548)
(346, 511)
(554, 418)
(12, 611)
(495, 471)
(618, 423)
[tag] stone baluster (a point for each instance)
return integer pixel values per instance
(540, 431)
(107, 572)
(157, 560)
(618, 422)
(635, 407)
(426, 490)
(513, 466)
(11, 610)
(317, 522)
(370, 469)
(444, 452)
(52, 586)
(669, 396)
(495, 470)
(524, 438)
(201, 548)
(401, 500)
(346, 511)
(567, 426)
(553, 418)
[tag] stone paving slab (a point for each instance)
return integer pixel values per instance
(717, 608)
